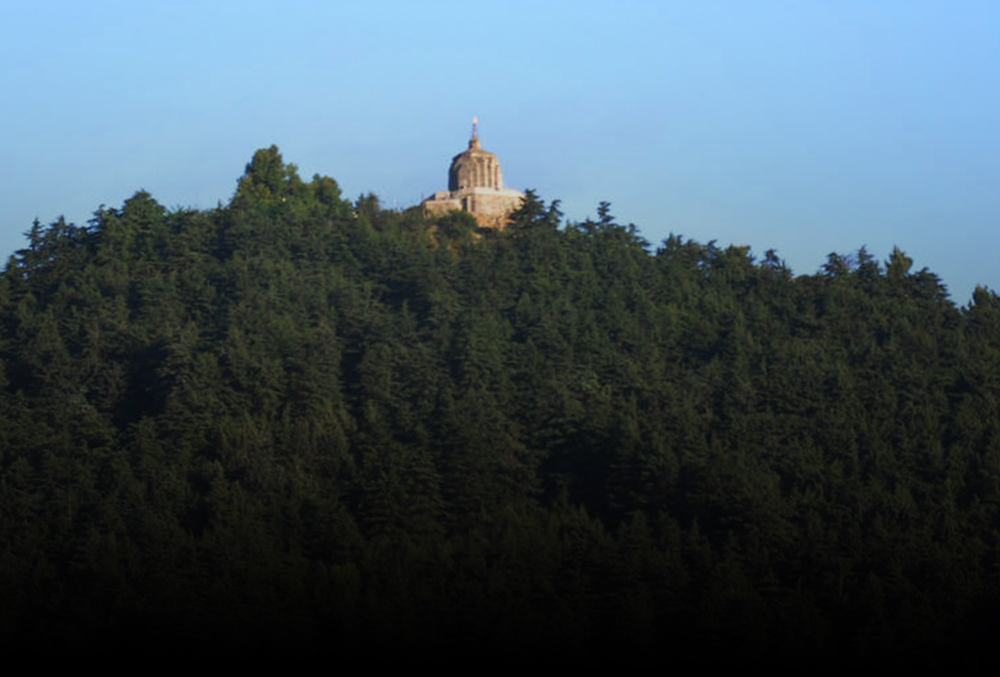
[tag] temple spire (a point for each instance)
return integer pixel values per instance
(474, 141)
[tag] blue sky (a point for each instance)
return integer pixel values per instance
(807, 127)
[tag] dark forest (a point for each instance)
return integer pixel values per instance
(299, 424)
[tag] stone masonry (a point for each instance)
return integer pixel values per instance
(475, 185)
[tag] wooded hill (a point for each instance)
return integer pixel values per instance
(298, 421)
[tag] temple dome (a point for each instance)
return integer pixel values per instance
(475, 168)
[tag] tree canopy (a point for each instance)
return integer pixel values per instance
(296, 419)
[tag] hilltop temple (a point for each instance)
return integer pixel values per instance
(475, 185)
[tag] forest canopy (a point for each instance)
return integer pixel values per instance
(298, 419)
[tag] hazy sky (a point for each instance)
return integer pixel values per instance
(803, 126)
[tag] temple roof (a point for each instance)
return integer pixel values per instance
(475, 167)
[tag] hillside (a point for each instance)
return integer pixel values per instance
(298, 421)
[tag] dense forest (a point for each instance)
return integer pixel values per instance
(300, 423)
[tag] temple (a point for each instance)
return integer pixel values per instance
(475, 185)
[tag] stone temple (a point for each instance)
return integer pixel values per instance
(475, 185)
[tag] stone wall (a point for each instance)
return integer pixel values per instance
(489, 206)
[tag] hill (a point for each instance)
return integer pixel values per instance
(298, 421)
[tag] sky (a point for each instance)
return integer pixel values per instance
(808, 127)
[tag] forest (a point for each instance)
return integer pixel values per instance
(299, 424)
